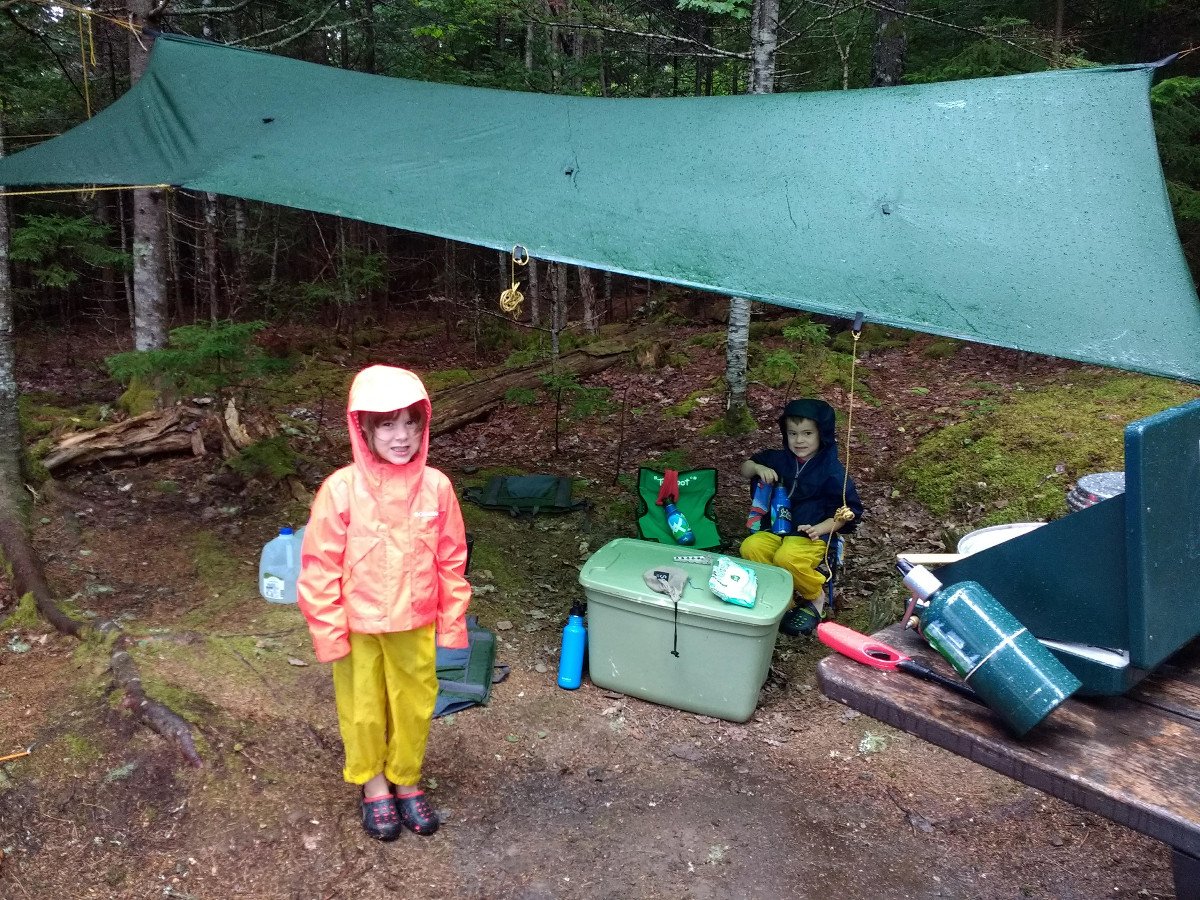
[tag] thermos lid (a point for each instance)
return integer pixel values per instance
(922, 582)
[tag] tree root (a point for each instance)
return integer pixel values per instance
(153, 714)
(28, 577)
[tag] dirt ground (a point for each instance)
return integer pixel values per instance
(545, 793)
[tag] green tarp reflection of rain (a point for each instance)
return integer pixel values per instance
(1026, 211)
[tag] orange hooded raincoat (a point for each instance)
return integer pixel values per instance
(385, 548)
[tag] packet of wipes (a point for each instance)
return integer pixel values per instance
(733, 583)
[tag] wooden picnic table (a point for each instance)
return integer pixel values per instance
(1134, 759)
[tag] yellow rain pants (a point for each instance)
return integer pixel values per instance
(385, 690)
(798, 554)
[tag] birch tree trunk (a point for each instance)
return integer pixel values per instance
(149, 215)
(764, 42)
(12, 497)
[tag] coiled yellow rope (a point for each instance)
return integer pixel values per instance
(511, 299)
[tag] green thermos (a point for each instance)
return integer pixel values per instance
(1018, 678)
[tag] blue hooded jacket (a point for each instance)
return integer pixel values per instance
(815, 486)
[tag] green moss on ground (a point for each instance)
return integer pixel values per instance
(315, 380)
(227, 585)
(942, 349)
(710, 340)
(446, 378)
(140, 397)
(1016, 457)
(25, 616)
(81, 749)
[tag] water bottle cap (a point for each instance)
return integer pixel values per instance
(285, 530)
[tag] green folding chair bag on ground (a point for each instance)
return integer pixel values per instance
(466, 676)
(530, 494)
(697, 491)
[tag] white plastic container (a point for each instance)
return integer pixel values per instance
(279, 566)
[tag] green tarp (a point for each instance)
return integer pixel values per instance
(1027, 211)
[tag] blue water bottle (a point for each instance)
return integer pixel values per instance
(574, 644)
(680, 529)
(781, 512)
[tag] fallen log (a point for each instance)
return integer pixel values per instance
(174, 430)
(465, 403)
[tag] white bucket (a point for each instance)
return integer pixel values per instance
(982, 538)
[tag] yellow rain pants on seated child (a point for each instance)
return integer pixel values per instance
(798, 554)
(386, 735)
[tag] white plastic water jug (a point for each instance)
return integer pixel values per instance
(279, 566)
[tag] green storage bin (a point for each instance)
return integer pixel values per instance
(724, 650)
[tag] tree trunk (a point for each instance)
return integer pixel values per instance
(587, 294)
(558, 309)
(11, 448)
(241, 233)
(149, 215)
(891, 45)
(535, 301)
(211, 269)
(764, 43)
(368, 63)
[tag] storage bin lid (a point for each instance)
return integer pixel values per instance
(618, 566)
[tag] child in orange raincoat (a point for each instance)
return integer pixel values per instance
(382, 583)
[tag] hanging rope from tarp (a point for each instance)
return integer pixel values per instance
(844, 513)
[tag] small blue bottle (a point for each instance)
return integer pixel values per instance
(681, 530)
(574, 644)
(781, 512)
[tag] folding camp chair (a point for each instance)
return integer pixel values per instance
(697, 491)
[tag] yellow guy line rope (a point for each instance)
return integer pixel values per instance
(844, 513)
(85, 189)
(60, 4)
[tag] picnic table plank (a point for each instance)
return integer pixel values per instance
(1132, 759)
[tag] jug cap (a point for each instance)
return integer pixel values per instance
(286, 529)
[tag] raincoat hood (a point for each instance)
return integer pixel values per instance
(383, 389)
(821, 413)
